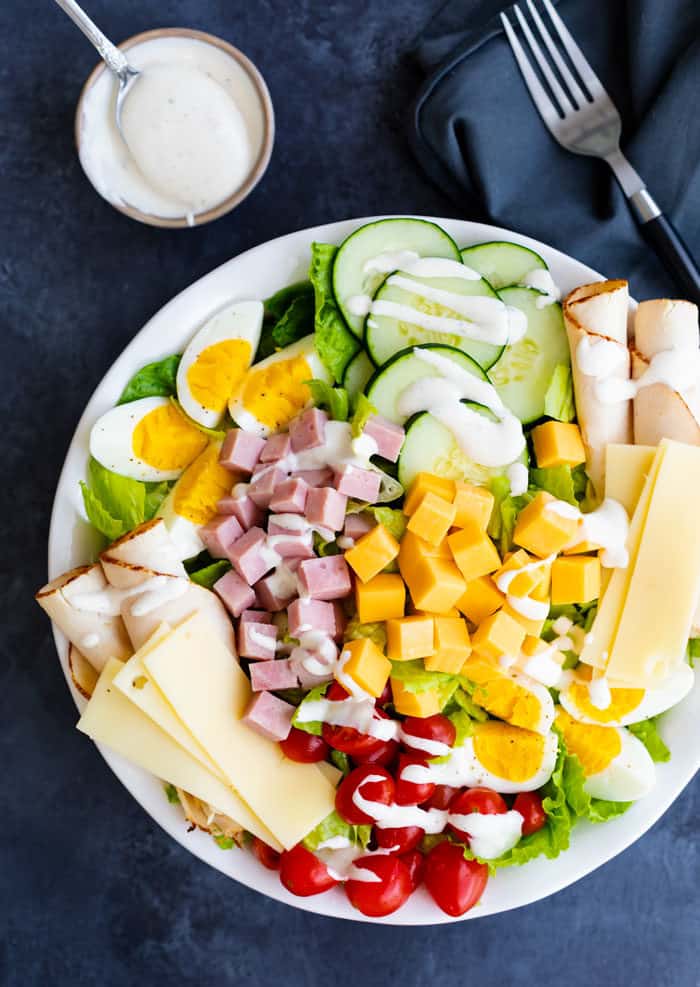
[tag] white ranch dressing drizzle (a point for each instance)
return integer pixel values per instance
(504, 579)
(150, 594)
(524, 605)
(433, 748)
(390, 260)
(358, 713)
(607, 526)
(263, 640)
(545, 667)
(601, 358)
(599, 692)
(541, 280)
(490, 443)
(518, 478)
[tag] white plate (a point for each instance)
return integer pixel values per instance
(257, 274)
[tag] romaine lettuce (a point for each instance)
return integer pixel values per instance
(335, 825)
(153, 380)
(559, 396)
(335, 343)
(115, 504)
(648, 732)
(315, 726)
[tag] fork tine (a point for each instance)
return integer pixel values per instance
(566, 75)
(590, 79)
(539, 96)
(554, 85)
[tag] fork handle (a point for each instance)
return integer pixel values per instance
(662, 235)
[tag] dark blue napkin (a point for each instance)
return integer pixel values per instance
(476, 132)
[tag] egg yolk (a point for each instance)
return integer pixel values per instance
(199, 488)
(594, 746)
(165, 440)
(501, 696)
(507, 751)
(217, 371)
(622, 701)
(276, 393)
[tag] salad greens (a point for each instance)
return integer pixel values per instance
(115, 504)
(559, 396)
(335, 343)
(153, 380)
(648, 732)
(289, 316)
(334, 825)
(208, 575)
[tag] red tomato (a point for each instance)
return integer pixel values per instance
(436, 727)
(529, 805)
(415, 861)
(455, 884)
(483, 800)
(346, 739)
(266, 855)
(441, 797)
(304, 874)
(409, 792)
(381, 897)
(384, 754)
(304, 747)
(385, 696)
(402, 838)
(375, 791)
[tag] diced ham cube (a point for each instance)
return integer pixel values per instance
(240, 451)
(257, 640)
(219, 533)
(325, 579)
(293, 546)
(263, 483)
(235, 593)
(243, 509)
(353, 481)
(316, 478)
(326, 507)
(357, 525)
(311, 615)
(250, 556)
(290, 497)
(308, 430)
(388, 436)
(340, 621)
(307, 678)
(273, 675)
(256, 617)
(269, 716)
(277, 447)
(274, 593)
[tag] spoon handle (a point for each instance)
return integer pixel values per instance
(115, 59)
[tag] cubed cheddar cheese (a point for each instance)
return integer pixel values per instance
(451, 612)
(473, 505)
(419, 704)
(533, 645)
(582, 548)
(575, 579)
(452, 646)
(498, 635)
(541, 530)
(432, 518)
(558, 444)
(366, 665)
(524, 582)
(381, 598)
(435, 585)
(474, 552)
(408, 638)
(427, 483)
(372, 552)
(414, 550)
(533, 626)
(480, 599)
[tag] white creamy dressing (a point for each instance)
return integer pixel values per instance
(317, 653)
(545, 667)
(433, 748)
(266, 641)
(90, 641)
(599, 692)
(193, 127)
(607, 526)
(541, 280)
(150, 594)
(524, 605)
(344, 542)
(518, 478)
(490, 443)
(390, 260)
(358, 713)
(562, 625)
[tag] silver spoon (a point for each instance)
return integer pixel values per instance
(114, 59)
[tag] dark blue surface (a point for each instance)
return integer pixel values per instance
(91, 891)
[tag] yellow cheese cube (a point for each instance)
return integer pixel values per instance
(414, 550)
(432, 518)
(450, 612)
(533, 626)
(409, 637)
(575, 579)
(541, 530)
(435, 585)
(558, 444)
(473, 505)
(372, 552)
(452, 646)
(381, 598)
(420, 704)
(582, 548)
(366, 665)
(500, 634)
(524, 583)
(533, 645)
(480, 599)
(427, 483)
(474, 552)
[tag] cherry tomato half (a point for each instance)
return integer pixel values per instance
(415, 861)
(304, 747)
(304, 874)
(436, 728)
(386, 695)
(399, 839)
(374, 791)
(346, 739)
(384, 754)
(441, 797)
(382, 897)
(266, 855)
(455, 884)
(529, 805)
(483, 800)
(409, 792)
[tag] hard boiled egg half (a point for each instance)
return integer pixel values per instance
(510, 696)
(274, 391)
(192, 501)
(217, 359)
(627, 705)
(616, 764)
(506, 758)
(147, 440)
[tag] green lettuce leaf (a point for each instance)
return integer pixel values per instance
(648, 732)
(153, 380)
(334, 825)
(693, 651)
(335, 343)
(375, 632)
(155, 495)
(115, 504)
(415, 678)
(334, 399)
(556, 480)
(99, 517)
(276, 305)
(559, 396)
(224, 842)
(581, 803)
(505, 513)
(393, 520)
(362, 411)
(296, 322)
(314, 726)
(324, 548)
(342, 762)
(211, 573)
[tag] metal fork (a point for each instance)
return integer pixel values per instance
(589, 123)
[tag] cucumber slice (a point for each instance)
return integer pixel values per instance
(523, 373)
(386, 335)
(403, 369)
(502, 263)
(386, 236)
(357, 373)
(430, 447)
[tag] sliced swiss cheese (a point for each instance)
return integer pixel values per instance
(110, 719)
(626, 469)
(206, 687)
